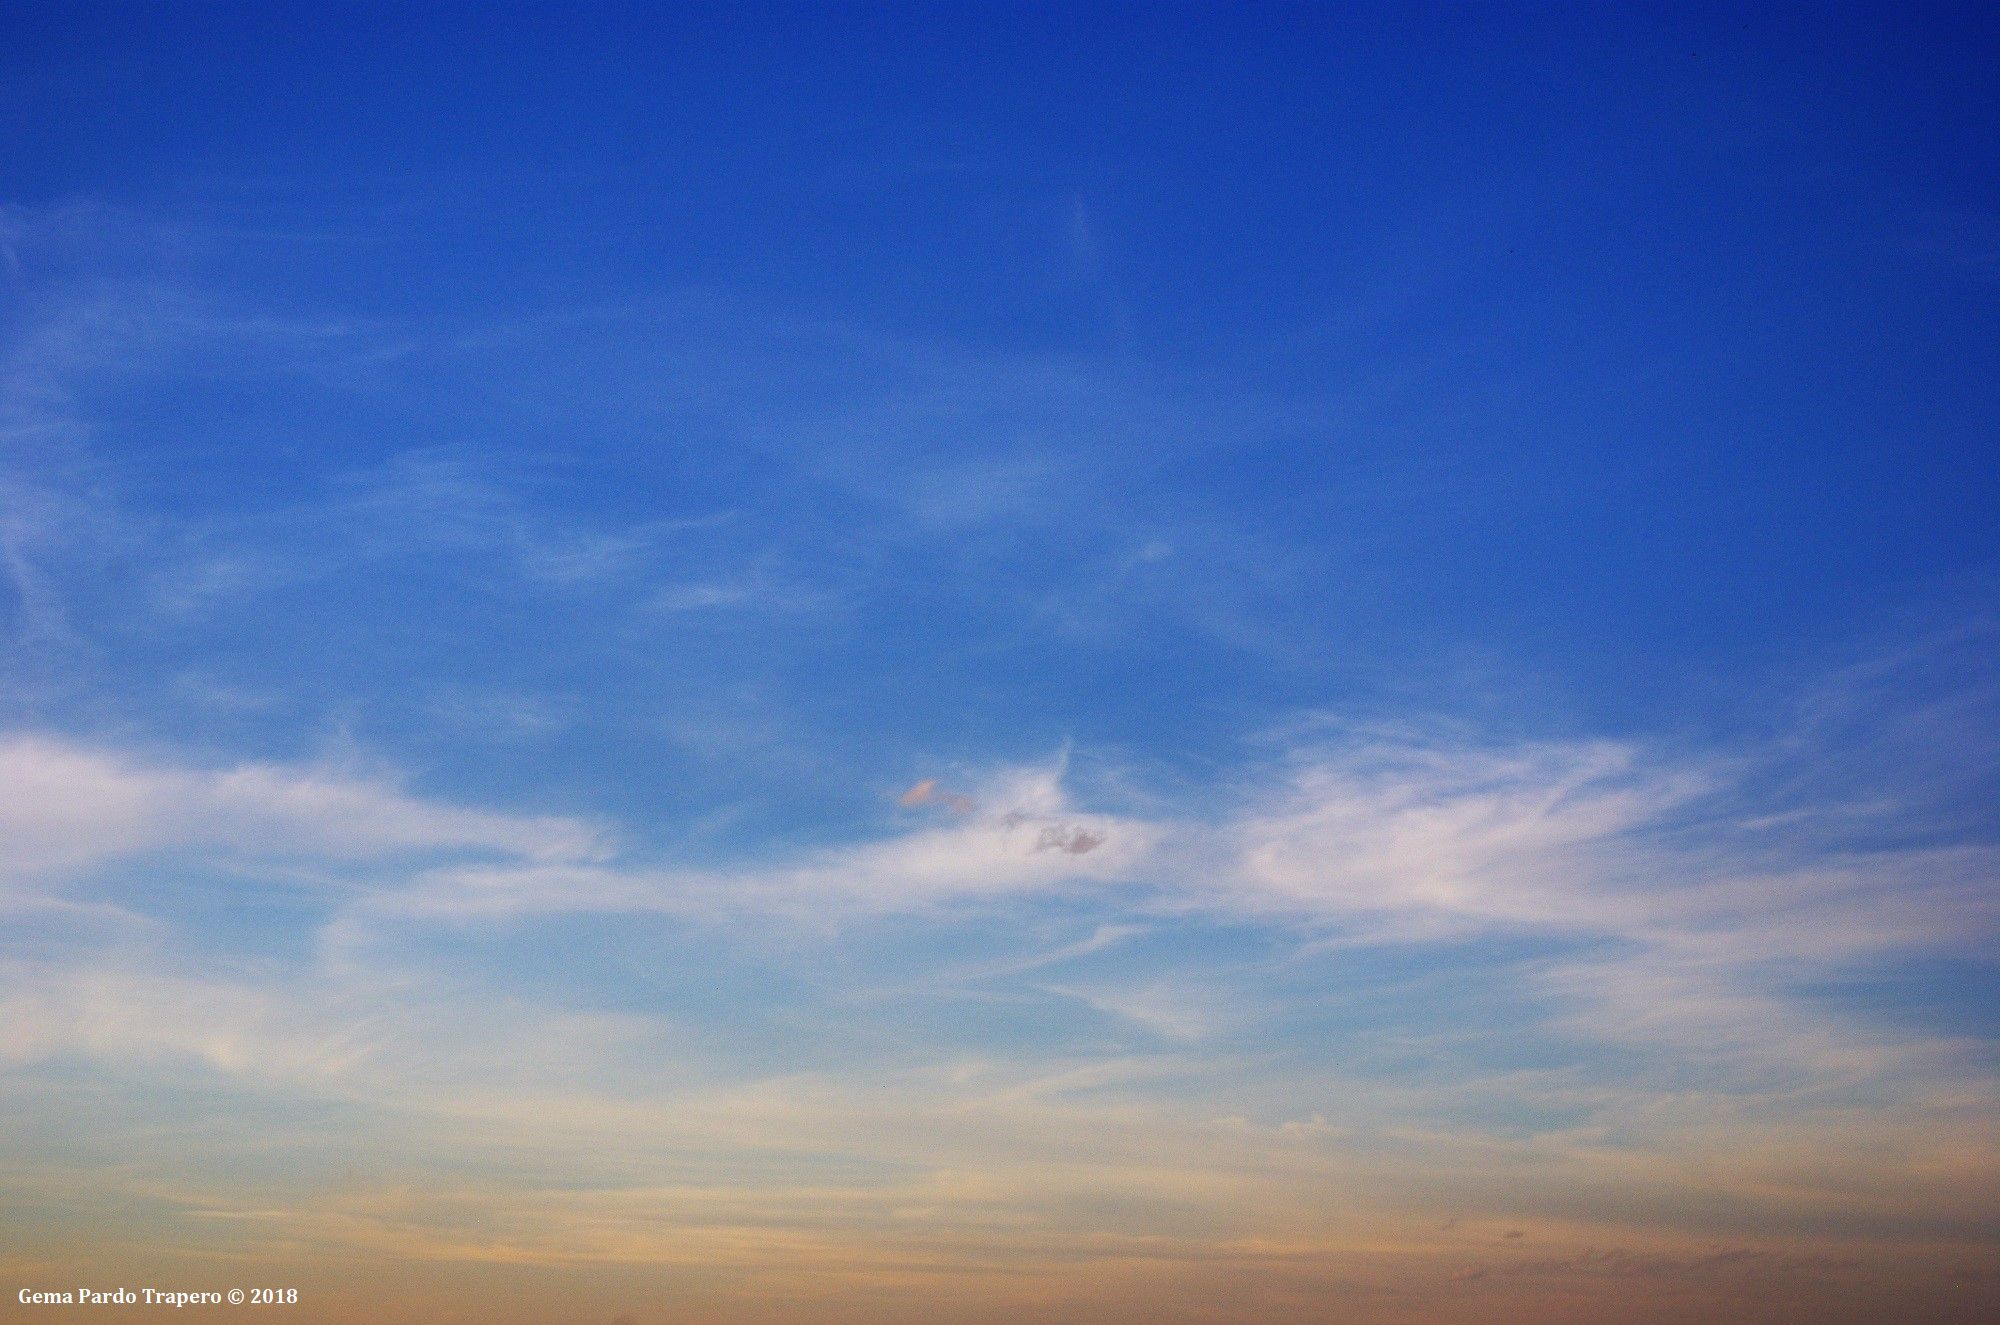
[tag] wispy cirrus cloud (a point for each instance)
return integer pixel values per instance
(65, 807)
(1025, 844)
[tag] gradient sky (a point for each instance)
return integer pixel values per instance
(963, 664)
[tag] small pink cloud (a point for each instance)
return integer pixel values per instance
(926, 792)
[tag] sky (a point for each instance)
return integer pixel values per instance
(961, 663)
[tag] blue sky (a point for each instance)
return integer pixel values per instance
(1118, 627)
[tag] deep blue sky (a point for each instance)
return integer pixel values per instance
(1609, 351)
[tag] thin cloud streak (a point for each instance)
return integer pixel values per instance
(65, 808)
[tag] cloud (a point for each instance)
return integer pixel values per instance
(1435, 836)
(24, 524)
(128, 1017)
(701, 596)
(1164, 1008)
(926, 792)
(984, 856)
(1068, 838)
(65, 808)
(475, 501)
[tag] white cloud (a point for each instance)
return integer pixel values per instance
(66, 807)
(999, 852)
(1173, 1010)
(1440, 837)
